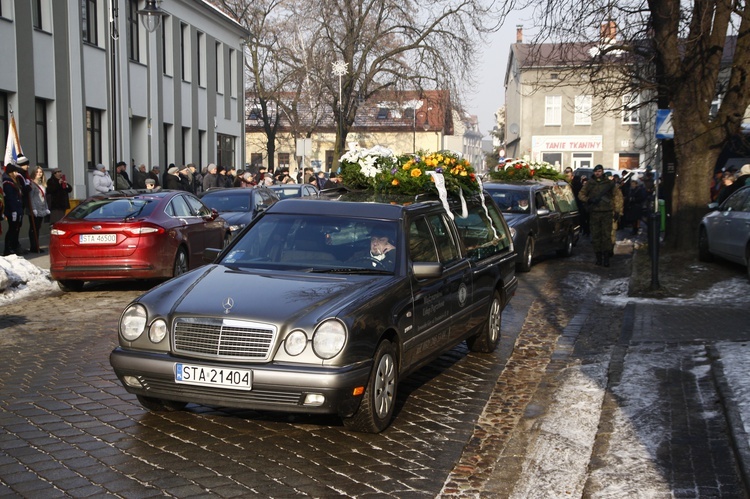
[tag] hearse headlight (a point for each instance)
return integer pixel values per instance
(157, 331)
(329, 339)
(133, 322)
(295, 342)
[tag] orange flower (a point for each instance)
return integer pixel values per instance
(416, 172)
(394, 182)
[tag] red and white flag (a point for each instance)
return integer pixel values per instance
(13, 145)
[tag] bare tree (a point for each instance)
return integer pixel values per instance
(391, 45)
(677, 55)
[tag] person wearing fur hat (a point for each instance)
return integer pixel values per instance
(13, 191)
(173, 180)
(101, 180)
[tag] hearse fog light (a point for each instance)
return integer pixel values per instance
(329, 339)
(132, 381)
(295, 343)
(314, 399)
(133, 322)
(157, 331)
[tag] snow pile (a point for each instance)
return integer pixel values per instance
(20, 278)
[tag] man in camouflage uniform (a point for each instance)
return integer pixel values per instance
(598, 194)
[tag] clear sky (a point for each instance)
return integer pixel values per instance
(492, 62)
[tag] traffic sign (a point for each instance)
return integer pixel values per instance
(664, 128)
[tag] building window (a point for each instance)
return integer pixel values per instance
(283, 160)
(630, 109)
(36, 13)
(553, 158)
(185, 58)
(41, 133)
(133, 40)
(200, 50)
(583, 110)
(219, 68)
(329, 160)
(93, 137)
(553, 110)
(256, 159)
(88, 21)
(167, 46)
(383, 113)
(225, 150)
(232, 73)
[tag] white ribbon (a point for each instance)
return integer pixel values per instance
(442, 192)
(481, 196)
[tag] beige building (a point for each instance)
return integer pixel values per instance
(549, 117)
(404, 122)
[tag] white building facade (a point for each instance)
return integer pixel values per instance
(85, 91)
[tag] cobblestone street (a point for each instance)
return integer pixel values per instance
(466, 425)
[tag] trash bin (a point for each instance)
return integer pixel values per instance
(663, 215)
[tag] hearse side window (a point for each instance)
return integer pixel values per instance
(549, 201)
(476, 230)
(421, 247)
(565, 198)
(446, 242)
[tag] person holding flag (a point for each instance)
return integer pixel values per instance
(13, 192)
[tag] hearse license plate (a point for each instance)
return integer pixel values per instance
(97, 238)
(238, 379)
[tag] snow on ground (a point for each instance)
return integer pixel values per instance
(20, 278)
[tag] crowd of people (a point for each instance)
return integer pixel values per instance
(608, 203)
(29, 193)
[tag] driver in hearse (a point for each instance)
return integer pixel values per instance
(381, 251)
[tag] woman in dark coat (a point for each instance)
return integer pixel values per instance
(58, 192)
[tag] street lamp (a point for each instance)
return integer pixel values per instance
(339, 69)
(151, 15)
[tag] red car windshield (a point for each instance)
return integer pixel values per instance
(113, 209)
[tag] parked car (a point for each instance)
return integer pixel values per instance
(295, 191)
(132, 235)
(725, 232)
(322, 306)
(543, 215)
(238, 206)
(589, 172)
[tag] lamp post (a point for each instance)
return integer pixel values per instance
(339, 69)
(151, 17)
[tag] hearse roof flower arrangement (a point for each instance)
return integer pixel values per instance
(409, 174)
(521, 169)
(359, 167)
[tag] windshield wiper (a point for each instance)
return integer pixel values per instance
(350, 270)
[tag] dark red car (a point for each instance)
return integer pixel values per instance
(133, 235)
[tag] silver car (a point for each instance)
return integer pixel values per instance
(725, 232)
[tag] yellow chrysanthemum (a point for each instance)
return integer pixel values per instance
(463, 174)
(416, 172)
